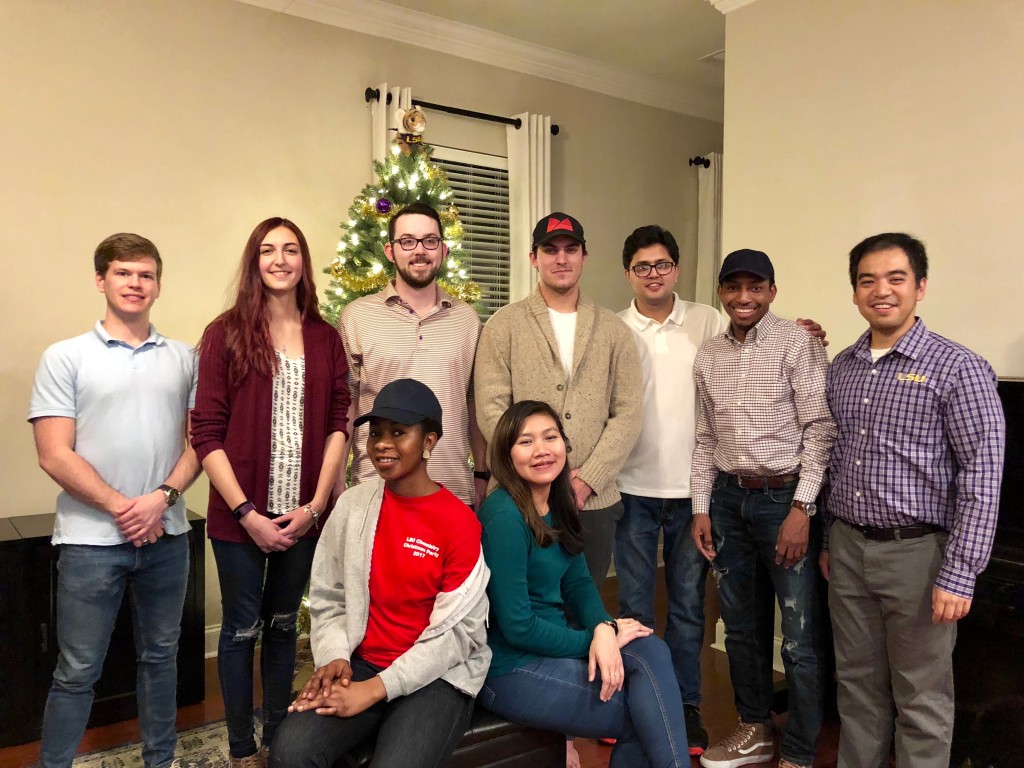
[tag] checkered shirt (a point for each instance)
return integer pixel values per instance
(762, 408)
(921, 440)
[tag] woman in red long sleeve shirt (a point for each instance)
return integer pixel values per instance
(269, 424)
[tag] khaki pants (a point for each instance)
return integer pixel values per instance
(888, 651)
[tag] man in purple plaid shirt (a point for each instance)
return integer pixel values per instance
(914, 474)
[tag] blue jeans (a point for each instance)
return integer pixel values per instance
(646, 716)
(90, 587)
(260, 595)
(416, 731)
(745, 527)
(686, 570)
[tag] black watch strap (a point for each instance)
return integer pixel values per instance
(481, 474)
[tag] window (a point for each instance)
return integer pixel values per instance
(480, 186)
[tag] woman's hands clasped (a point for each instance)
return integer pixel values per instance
(605, 653)
(331, 692)
(276, 534)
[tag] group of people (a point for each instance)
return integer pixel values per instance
(495, 470)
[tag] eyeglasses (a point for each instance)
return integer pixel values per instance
(430, 242)
(662, 268)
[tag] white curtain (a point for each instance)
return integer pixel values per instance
(529, 183)
(709, 229)
(382, 117)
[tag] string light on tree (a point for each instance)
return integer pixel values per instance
(406, 176)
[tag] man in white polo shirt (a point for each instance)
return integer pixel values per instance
(109, 414)
(655, 480)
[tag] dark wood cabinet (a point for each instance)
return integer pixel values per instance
(28, 634)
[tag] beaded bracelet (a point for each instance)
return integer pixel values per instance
(314, 514)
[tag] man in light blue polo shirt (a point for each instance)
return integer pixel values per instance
(109, 414)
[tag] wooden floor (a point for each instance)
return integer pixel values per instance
(717, 707)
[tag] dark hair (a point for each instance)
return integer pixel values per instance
(644, 237)
(125, 246)
(429, 425)
(423, 210)
(911, 246)
(246, 324)
(561, 501)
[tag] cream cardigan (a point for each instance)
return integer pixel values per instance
(600, 403)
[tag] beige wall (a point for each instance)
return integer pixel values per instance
(845, 119)
(189, 121)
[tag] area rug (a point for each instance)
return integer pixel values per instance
(203, 747)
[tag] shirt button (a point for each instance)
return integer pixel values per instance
(743, 375)
(857, 462)
(560, 387)
(863, 431)
(874, 372)
(857, 494)
(568, 415)
(421, 338)
(867, 400)
(738, 403)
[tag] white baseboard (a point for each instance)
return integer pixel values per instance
(212, 637)
(719, 645)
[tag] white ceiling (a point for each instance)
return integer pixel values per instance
(660, 38)
(646, 51)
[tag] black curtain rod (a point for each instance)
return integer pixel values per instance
(373, 94)
(698, 160)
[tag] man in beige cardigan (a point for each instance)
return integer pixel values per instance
(559, 347)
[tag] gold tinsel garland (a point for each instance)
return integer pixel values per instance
(467, 291)
(359, 284)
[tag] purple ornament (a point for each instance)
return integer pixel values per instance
(383, 206)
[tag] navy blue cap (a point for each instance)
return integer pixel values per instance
(404, 401)
(747, 260)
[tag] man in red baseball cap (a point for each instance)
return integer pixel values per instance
(558, 346)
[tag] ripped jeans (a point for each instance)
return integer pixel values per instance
(260, 595)
(745, 527)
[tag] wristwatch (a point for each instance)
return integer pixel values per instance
(171, 495)
(613, 624)
(481, 474)
(810, 509)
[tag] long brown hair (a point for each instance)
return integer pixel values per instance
(561, 501)
(246, 323)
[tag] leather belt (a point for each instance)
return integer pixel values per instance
(754, 483)
(898, 533)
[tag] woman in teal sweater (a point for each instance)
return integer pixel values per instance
(609, 678)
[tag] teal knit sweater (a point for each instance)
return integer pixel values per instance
(528, 588)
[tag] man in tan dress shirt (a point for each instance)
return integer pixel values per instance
(413, 330)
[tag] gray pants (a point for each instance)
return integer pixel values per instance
(599, 539)
(888, 651)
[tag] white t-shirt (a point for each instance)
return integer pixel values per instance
(659, 466)
(564, 325)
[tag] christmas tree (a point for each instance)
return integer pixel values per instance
(407, 175)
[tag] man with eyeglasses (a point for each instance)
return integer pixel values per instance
(413, 330)
(655, 480)
(559, 347)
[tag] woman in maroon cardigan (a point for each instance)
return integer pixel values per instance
(269, 424)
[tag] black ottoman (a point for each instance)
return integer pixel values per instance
(490, 742)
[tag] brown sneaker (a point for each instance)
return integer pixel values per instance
(749, 743)
(254, 760)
